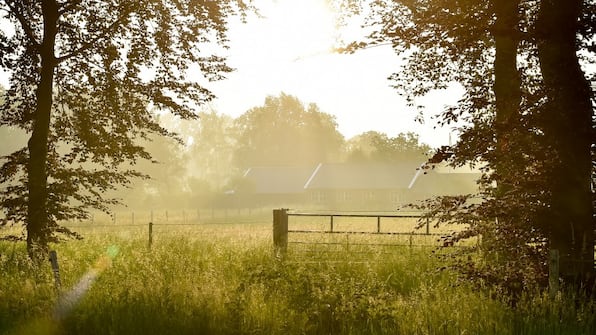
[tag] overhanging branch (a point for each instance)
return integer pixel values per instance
(87, 45)
(24, 23)
(68, 5)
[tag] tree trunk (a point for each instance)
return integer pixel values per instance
(567, 119)
(507, 78)
(507, 97)
(38, 230)
(506, 86)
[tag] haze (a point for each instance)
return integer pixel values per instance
(287, 55)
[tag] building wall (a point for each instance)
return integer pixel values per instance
(386, 200)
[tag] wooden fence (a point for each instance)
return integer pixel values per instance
(197, 215)
(281, 231)
(281, 226)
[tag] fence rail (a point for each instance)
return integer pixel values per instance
(281, 228)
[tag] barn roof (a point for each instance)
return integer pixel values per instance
(279, 179)
(436, 183)
(363, 176)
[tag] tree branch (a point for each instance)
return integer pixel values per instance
(68, 5)
(24, 23)
(85, 46)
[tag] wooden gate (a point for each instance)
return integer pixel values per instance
(281, 227)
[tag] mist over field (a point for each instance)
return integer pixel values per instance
(297, 167)
(266, 157)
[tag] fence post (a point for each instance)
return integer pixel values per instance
(427, 227)
(150, 234)
(331, 223)
(553, 272)
(55, 269)
(378, 224)
(280, 230)
(150, 242)
(347, 242)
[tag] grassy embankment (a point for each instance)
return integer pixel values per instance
(224, 279)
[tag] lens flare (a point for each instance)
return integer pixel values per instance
(71, 298)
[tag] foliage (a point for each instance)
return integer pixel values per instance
(211, 153)
(445, 42)
(378, 147)
(167, 170)
(85, 75)
(284, 132)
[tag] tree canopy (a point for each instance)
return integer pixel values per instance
(284, 132)
(527, 115)
(85, 75)
(379, 147)
(211, 153)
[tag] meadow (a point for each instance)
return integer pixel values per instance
(225, 278)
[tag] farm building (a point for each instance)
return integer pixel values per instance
(279, 186)
(371, 186)
(439, 182)
(352, 186)
(383, 186)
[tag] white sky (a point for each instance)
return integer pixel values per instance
(288, 51)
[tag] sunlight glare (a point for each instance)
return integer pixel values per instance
(302, 28)
(190, 140)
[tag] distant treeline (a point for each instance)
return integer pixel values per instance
(218, 149)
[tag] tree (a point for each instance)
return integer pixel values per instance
(168, 171)
(284, 132)
(211, 152)
(378, 147)
(84, 73)
(522, 116)
(567, 121)
(17, 137)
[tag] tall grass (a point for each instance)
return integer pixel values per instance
(232, 283)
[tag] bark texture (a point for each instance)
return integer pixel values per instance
(506, 85)
(567, 119)
(38, 231)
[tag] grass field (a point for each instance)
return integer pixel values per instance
(223, 278)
